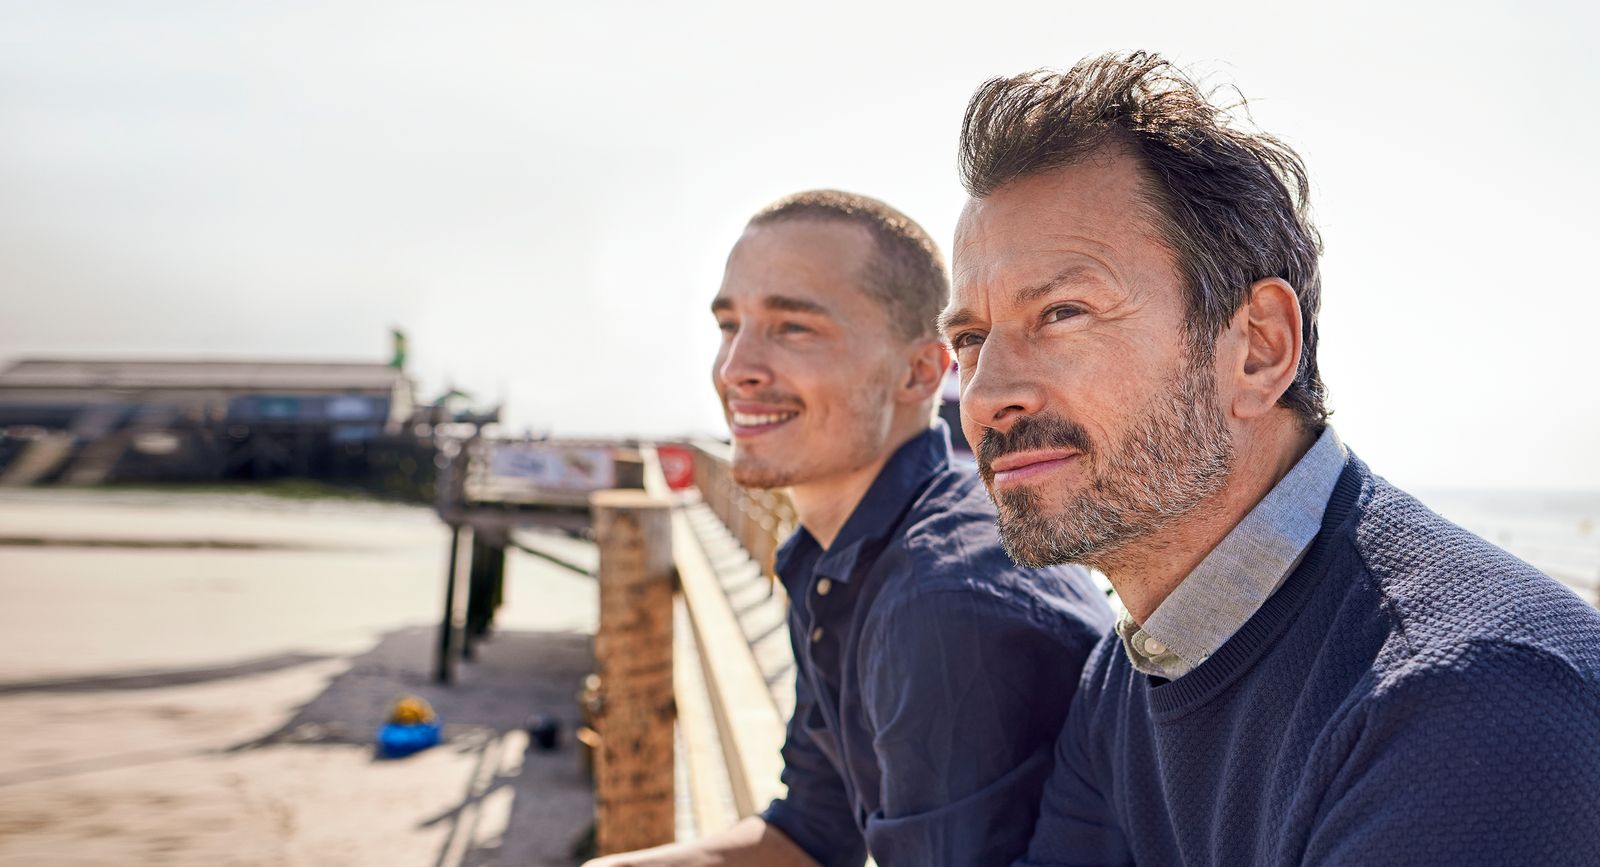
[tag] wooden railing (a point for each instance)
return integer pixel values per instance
(760, 520)
(730, 730)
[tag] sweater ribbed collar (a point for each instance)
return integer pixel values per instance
(1234, 658)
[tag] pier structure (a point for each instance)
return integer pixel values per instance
(695, 676)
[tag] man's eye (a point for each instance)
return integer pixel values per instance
(728, 328)
(965, 340)
(793, 328)
(1057, 314)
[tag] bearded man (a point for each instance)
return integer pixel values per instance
(932, 673)
(1312, 667)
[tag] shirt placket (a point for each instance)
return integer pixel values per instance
(822, 641)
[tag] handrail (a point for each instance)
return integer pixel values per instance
(748, 730)
(759, 519)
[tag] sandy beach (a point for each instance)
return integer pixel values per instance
(196, 678)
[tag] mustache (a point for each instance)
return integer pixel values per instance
(1029, 432)
(775, 398)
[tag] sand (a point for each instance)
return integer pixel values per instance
(210, 696)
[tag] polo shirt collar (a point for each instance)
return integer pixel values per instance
(902, 478)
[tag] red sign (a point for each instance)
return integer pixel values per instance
(677, 464)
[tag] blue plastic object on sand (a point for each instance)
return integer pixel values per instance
(396, 740)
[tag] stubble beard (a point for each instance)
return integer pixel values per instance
(1175, 456)
(759, 475)
(857, 445)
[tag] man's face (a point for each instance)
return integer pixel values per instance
(808, 360)
(1093, 425)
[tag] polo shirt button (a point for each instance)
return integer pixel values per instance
(823, 586)
(816, 634)
(1153, 647)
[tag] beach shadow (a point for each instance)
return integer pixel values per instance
(162, 678)
(517, 675)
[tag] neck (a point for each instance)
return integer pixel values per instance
(823, 505)
(1147, 570)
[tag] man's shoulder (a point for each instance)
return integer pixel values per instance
(949, 549)
(1447, 589)
(950, 533)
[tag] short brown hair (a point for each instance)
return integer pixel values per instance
(908, 274)
(1231, 202)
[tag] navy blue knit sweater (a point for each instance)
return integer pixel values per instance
(1411, 695)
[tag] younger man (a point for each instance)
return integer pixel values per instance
(932, 673)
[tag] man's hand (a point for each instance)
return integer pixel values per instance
(751, 843)
(670, 855)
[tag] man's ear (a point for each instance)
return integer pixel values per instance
(1269, 353)
(929, 361)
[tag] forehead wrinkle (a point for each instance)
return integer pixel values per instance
(1076, 273)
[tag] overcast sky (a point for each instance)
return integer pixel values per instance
(542, 195)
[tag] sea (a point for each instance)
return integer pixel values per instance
(1556, 531)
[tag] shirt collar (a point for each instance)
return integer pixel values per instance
(903, 477)
(1245, 568)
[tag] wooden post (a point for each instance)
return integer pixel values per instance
(633, 648)
(484, 584)
(444, 661)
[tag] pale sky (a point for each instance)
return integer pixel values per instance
(542, 196)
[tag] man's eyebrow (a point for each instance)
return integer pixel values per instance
(1070, 274)
(779, 303)
(950, 320)
(791, 304)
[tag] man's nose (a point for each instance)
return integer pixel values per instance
(744, 363)
(1003, 386)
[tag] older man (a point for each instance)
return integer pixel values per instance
(932, 673)
(1313, 668)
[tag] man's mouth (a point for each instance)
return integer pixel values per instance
(749, 424)
(1021, 466)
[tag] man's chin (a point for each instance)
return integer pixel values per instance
(761, 476)
(1034, 537)
(1033, 546)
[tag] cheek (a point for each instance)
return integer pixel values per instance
(1117, 395)
(969, 428)
(1097, 385)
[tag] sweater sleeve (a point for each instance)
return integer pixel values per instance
(1489, 757)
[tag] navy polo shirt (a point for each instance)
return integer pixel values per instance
(933, 674)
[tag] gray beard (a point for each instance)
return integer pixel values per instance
(1178, 454)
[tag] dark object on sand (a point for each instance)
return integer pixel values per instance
(544, 732)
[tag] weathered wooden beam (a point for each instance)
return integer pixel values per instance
(709, 783)
(747, 720)
(633, 650)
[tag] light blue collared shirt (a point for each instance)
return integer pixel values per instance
(1245, 568)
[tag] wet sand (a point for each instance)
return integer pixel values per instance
(195, 679)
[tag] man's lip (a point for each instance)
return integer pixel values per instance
(746, 420)
(1018, 460)
(1016, 467)
(750, 407)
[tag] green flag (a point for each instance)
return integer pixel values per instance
(398, 362)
